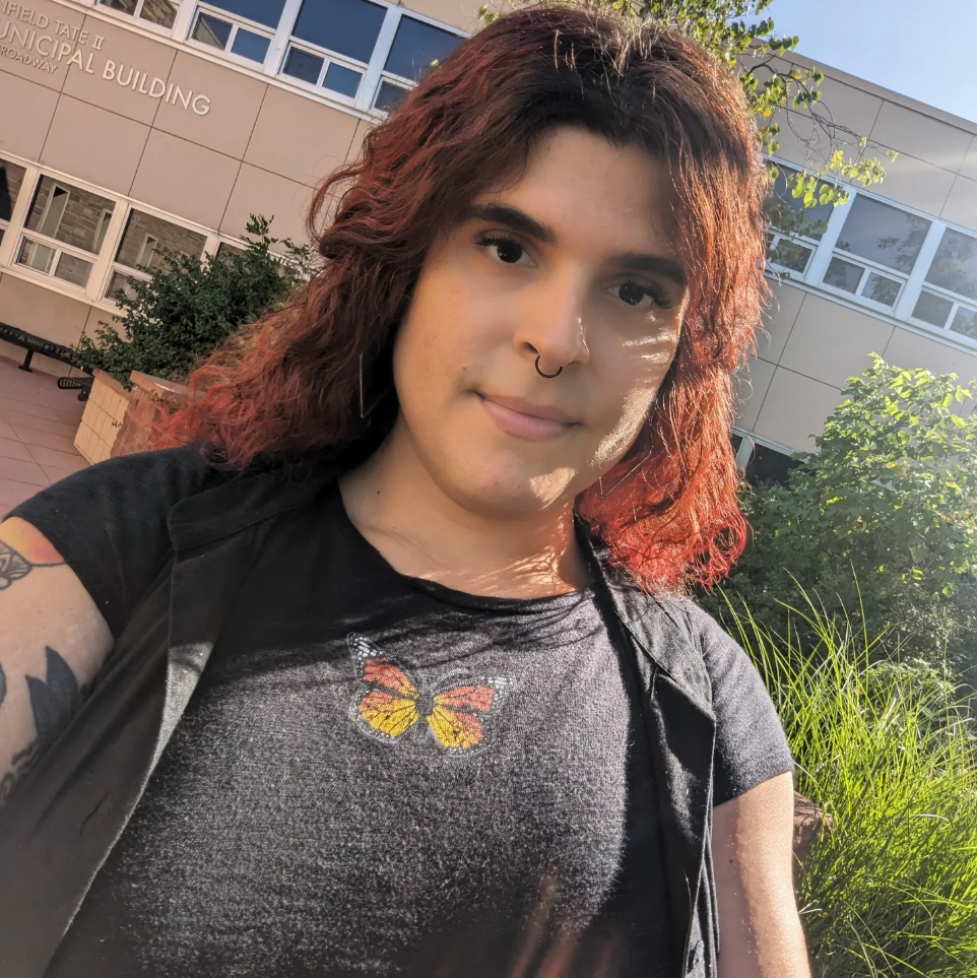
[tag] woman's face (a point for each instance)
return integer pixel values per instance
(570, 265)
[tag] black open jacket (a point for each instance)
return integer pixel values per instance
(67, 813)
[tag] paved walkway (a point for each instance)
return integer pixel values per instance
(37, 428)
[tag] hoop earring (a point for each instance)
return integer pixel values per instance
(601, 494)
(362, 410)
(367, 409)
(547, 376)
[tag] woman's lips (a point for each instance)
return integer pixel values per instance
(519, 424)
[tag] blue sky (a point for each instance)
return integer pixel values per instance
(921, 49)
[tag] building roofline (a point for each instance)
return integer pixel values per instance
(855, 81)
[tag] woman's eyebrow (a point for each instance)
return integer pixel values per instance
(520, 222)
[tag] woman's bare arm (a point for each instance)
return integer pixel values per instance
(760, 934)
(53, 641)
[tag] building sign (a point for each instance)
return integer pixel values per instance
(48, 44)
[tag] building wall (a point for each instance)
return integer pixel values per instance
(168, 134)
(181, 143)
(814, 337)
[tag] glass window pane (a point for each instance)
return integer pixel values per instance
(965, 321)
(267, 12)
(348, 27)
(843, 275)
(416, 46)
(881, 288)
(955, 264)
(120, 283)
(305, 67)
(388, 96)
(932, 309)
(884, 234)
(788, 213)
(68, 214)
(146, 238)
(342, 80)
(791, 255)
(225, 249)
(248, 45)
(210, 30)
(162, 12)
(126, 6)
(35, 255)
(11, 180)
(72, 269)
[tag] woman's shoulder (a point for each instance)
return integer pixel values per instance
(109, 521)
(127, 485)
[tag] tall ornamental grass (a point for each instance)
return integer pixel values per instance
(888, 750)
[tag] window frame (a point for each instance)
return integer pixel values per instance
(104, 261)
(136, 16)
(867, 266)
(912, 284)
(373, 71)
(6, 225)
(280, 39)
(237, 23)
(328, 57)
(803, 240)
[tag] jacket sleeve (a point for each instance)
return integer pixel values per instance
(109, 521)
(751, 745)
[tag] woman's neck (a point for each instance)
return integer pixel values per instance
(422, 532)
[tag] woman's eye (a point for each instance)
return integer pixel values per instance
(507, 250)
(641, 296)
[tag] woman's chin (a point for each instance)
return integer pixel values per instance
(512, 495)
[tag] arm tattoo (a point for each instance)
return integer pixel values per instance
(12, 566)
(53, 703)
(15, 564)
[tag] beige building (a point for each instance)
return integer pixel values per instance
(892, 271)
(129, 125)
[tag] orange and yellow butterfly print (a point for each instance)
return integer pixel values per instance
(393, 703)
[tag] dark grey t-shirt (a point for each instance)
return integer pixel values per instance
(381, 776)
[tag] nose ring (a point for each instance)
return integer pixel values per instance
(547, 376)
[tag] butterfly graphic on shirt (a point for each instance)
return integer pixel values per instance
(393, 702)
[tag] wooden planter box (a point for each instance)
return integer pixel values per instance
(120, 422)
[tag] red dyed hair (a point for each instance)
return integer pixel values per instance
(291, 386)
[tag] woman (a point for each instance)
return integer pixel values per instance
(440, 729)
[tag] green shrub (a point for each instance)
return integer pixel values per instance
(174, 321)
(888, 750)
(891, 495)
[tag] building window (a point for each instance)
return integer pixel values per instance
(795, 230)
(949, 300)
(228, 250)
(230, 35)
(65, 230)
(11, 180)
(145, 244)
(333, 43)
(876, 241)
(415, 47)
(346, 27)
(760, 463)
(159, 12)
(266, 12)
(388, 95)
(321, 70)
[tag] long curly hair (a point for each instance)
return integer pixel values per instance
(292, 386)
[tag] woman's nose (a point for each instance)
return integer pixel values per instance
(554, 329)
